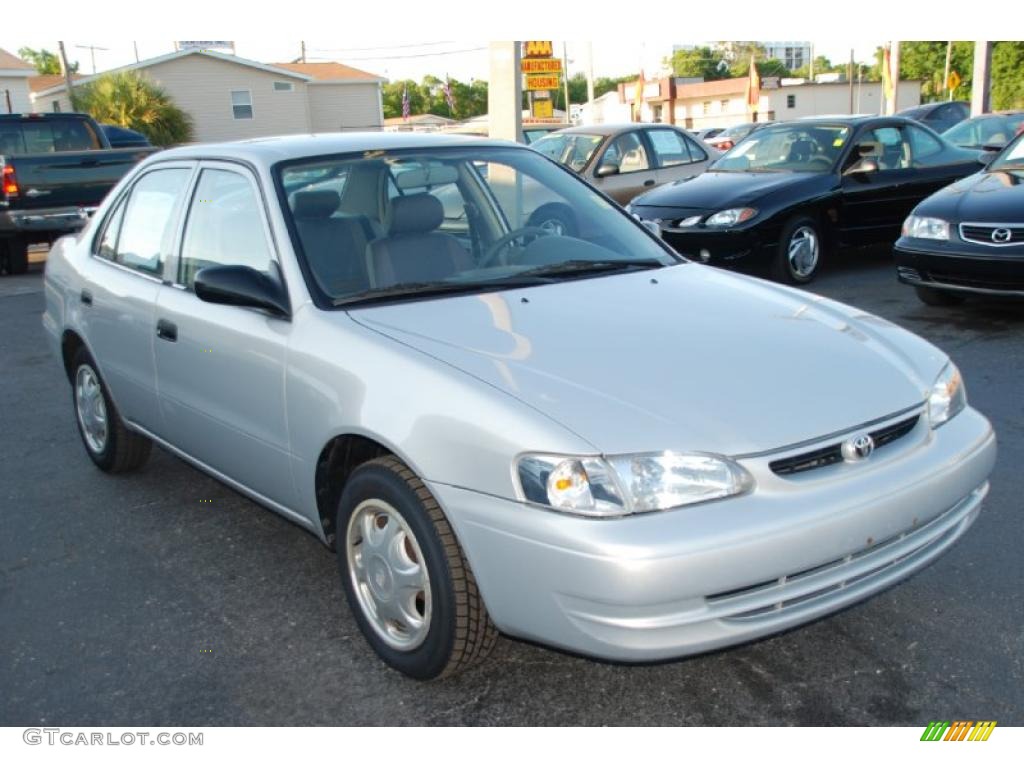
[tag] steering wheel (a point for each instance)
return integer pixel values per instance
(821, 161)
(490, 257)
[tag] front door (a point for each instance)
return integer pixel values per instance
(221, 369)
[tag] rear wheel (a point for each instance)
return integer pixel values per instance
(110, 444)
(405, 576)
(936, 298)
(799, 256)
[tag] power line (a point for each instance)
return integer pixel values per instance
(384, 47)
(402, 56)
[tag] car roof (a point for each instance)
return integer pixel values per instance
(608, 129)
(273, 149)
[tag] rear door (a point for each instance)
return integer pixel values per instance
(676, 155)
(122, 282)
(631, 154)
(220, 369)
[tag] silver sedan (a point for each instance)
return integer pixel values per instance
(570, 435)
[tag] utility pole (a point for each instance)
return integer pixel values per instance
(303, 51)
(945, 77)
(67, 74)
(849, 76)
(894, 57)
(810, 65)
(92, 53)
(135, 45)
(590, 71)
(565, 77)
(980, 77)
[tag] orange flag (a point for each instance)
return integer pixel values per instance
(753, 87)
(638, 98)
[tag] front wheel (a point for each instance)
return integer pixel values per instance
(406, 579)
(934, 298)
(799, 256)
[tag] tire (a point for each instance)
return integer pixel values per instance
(794, 264)
(15, 255)
(937, 298)
(442, 626)
(118, 449)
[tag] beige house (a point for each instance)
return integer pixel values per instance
(14, 87)
(233, 98)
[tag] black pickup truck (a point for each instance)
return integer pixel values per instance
(56, 169)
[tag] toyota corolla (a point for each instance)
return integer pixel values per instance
(582, 440)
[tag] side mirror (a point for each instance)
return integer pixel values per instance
(606, 169)
(240, 286)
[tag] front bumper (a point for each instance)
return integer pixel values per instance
(685, 581)
(739, 247)
(961, 267)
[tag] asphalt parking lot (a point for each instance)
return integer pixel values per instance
(126, 600)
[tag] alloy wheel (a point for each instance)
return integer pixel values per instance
(803, 252)
(91, 409)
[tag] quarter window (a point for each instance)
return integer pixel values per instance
(669, 148)
(241, 105)
(224, 226)
(147, 233)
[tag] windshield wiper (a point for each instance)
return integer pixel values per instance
(437, 288)
(588, 266)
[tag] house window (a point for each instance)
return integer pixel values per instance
(724, 106)
(56, 105)
(280, 85)
(790, 100)
(707, 107)
(241, 104)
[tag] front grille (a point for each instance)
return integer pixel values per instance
(833, 454)
(983, 233)
(995, 283)
(775, 597)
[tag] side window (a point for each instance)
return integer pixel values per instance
(107, 246)
(895, 152)
(924, 148)
(669, 147)
(627, 152)
(147, 232)
(224, 226)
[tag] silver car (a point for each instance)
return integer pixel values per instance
(580, 439)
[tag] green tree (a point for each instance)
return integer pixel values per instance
(43, 61)
(603, 85)
(925, 60)
(821, 66)
(765, 68)
(1007, 75)
(134, 101)
(697, 62)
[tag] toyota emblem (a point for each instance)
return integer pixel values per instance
(858, 448)
(1001, 235)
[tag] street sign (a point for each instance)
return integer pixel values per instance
(543, 109)
(954, 81)
(540, 66)
(542, 82)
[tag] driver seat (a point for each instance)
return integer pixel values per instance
(800, 151)
(412, 251)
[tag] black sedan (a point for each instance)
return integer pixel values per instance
(969, 237)
(792, 190)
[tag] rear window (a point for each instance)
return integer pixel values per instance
(33, 137)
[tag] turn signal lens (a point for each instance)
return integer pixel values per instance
(9, 183)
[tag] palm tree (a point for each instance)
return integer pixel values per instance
(134, 101)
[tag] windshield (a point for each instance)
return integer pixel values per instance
(984, 130)
(736, 131)
(570, 149)
(427, 221)
(808, 148)
(1011, 158)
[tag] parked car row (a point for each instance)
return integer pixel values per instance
(504, 426)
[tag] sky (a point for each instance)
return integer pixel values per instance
(396, 60)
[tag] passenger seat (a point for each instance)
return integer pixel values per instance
(334, 246)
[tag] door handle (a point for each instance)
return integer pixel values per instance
(166, 330)
(86, 297)
(649, 183)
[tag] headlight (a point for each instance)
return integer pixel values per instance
(926, 227)
(628, 484)
(730, 217)
(690, 221)
(947, 397)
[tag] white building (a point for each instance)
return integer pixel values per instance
(14, 89)
(793, 53)
(233, 98)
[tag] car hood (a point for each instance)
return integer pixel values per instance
(718, 190)
(992, 196)
(684, 358)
